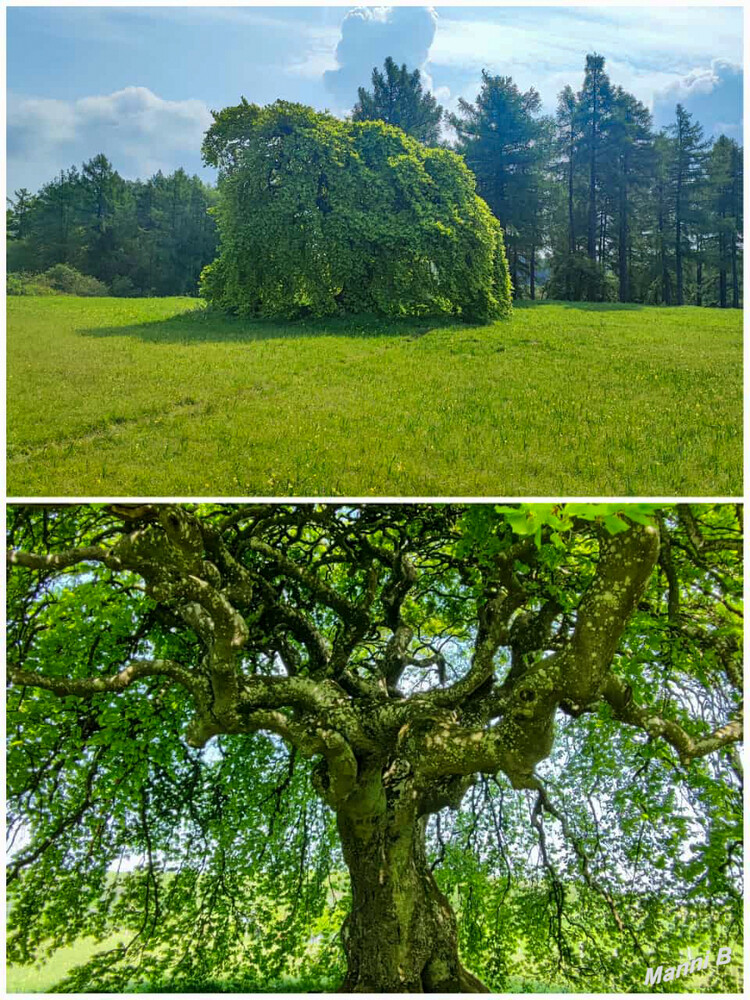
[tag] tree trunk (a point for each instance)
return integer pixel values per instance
(699, 274)
(624, 290)
(678, 241)
(591, 235)
(532, 273)
(666, 293)
(571, 229)
(737, 231)
(401, 935)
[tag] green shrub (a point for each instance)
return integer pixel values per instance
(320, 216)
(22, 283)
(66, 279)
(60, 279)
(14, 284)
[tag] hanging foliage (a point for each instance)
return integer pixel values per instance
(319, 216)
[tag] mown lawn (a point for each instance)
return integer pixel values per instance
(161, 397)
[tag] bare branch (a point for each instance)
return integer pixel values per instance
(87, 687)
(619, 697)
(62, 560)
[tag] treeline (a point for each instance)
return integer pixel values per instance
(148, 237)
(593, 201)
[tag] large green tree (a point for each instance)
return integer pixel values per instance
(631, 163)
(723, 195)
(594, 110)
(319, 216)
(397, 98)
(687, 168)
(545, 697)
(502, 137)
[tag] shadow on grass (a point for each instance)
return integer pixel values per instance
(199, 326)
(585, 306)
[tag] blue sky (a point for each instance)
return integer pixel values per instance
(138, 83)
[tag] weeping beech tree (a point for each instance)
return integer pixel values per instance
(213, 706)
(319, 216)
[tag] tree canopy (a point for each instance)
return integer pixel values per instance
(505, 141)
(595, 203)
(397, 99)
(149, 237)
(516, 728)
(318, 216)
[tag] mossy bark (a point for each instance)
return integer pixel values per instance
(401, 935)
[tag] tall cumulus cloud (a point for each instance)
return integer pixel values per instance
(368, 36)
(713, 95)
(139, 131)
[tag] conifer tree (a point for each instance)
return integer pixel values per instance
(397, 98)
(594, 106)
(724, 188)
(502, 137)
(688, 159)
(632, 155)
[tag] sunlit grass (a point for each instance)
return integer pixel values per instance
(161, 397)
(44, 975)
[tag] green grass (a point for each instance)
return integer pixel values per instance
(161, 397)
(45, 974)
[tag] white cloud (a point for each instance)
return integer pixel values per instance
(369, 35)
(320, 56)
(138, 130)
(646, 49)
(713, 94)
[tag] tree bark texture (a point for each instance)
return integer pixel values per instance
(401, 935)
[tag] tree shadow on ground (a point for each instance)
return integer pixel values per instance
(584, 306)
(198, 326)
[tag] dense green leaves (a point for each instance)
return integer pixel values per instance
(137, 237)
(595, 206)
(505, 142)
(319, 216)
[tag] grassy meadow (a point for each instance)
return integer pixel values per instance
(164, 397)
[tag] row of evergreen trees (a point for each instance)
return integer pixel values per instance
(592, 200)
(595, 204)
(139, 237)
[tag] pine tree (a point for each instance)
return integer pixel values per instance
(724, 197)
(594, 107)
(687, 166)
(631, 143)
(505, 143)
(567, 140)
(397, 98)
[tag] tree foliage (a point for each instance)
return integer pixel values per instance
(216, 710)
(597, 205)
(319, 216)
(137, 237)
(505, 142)
(397, 99)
